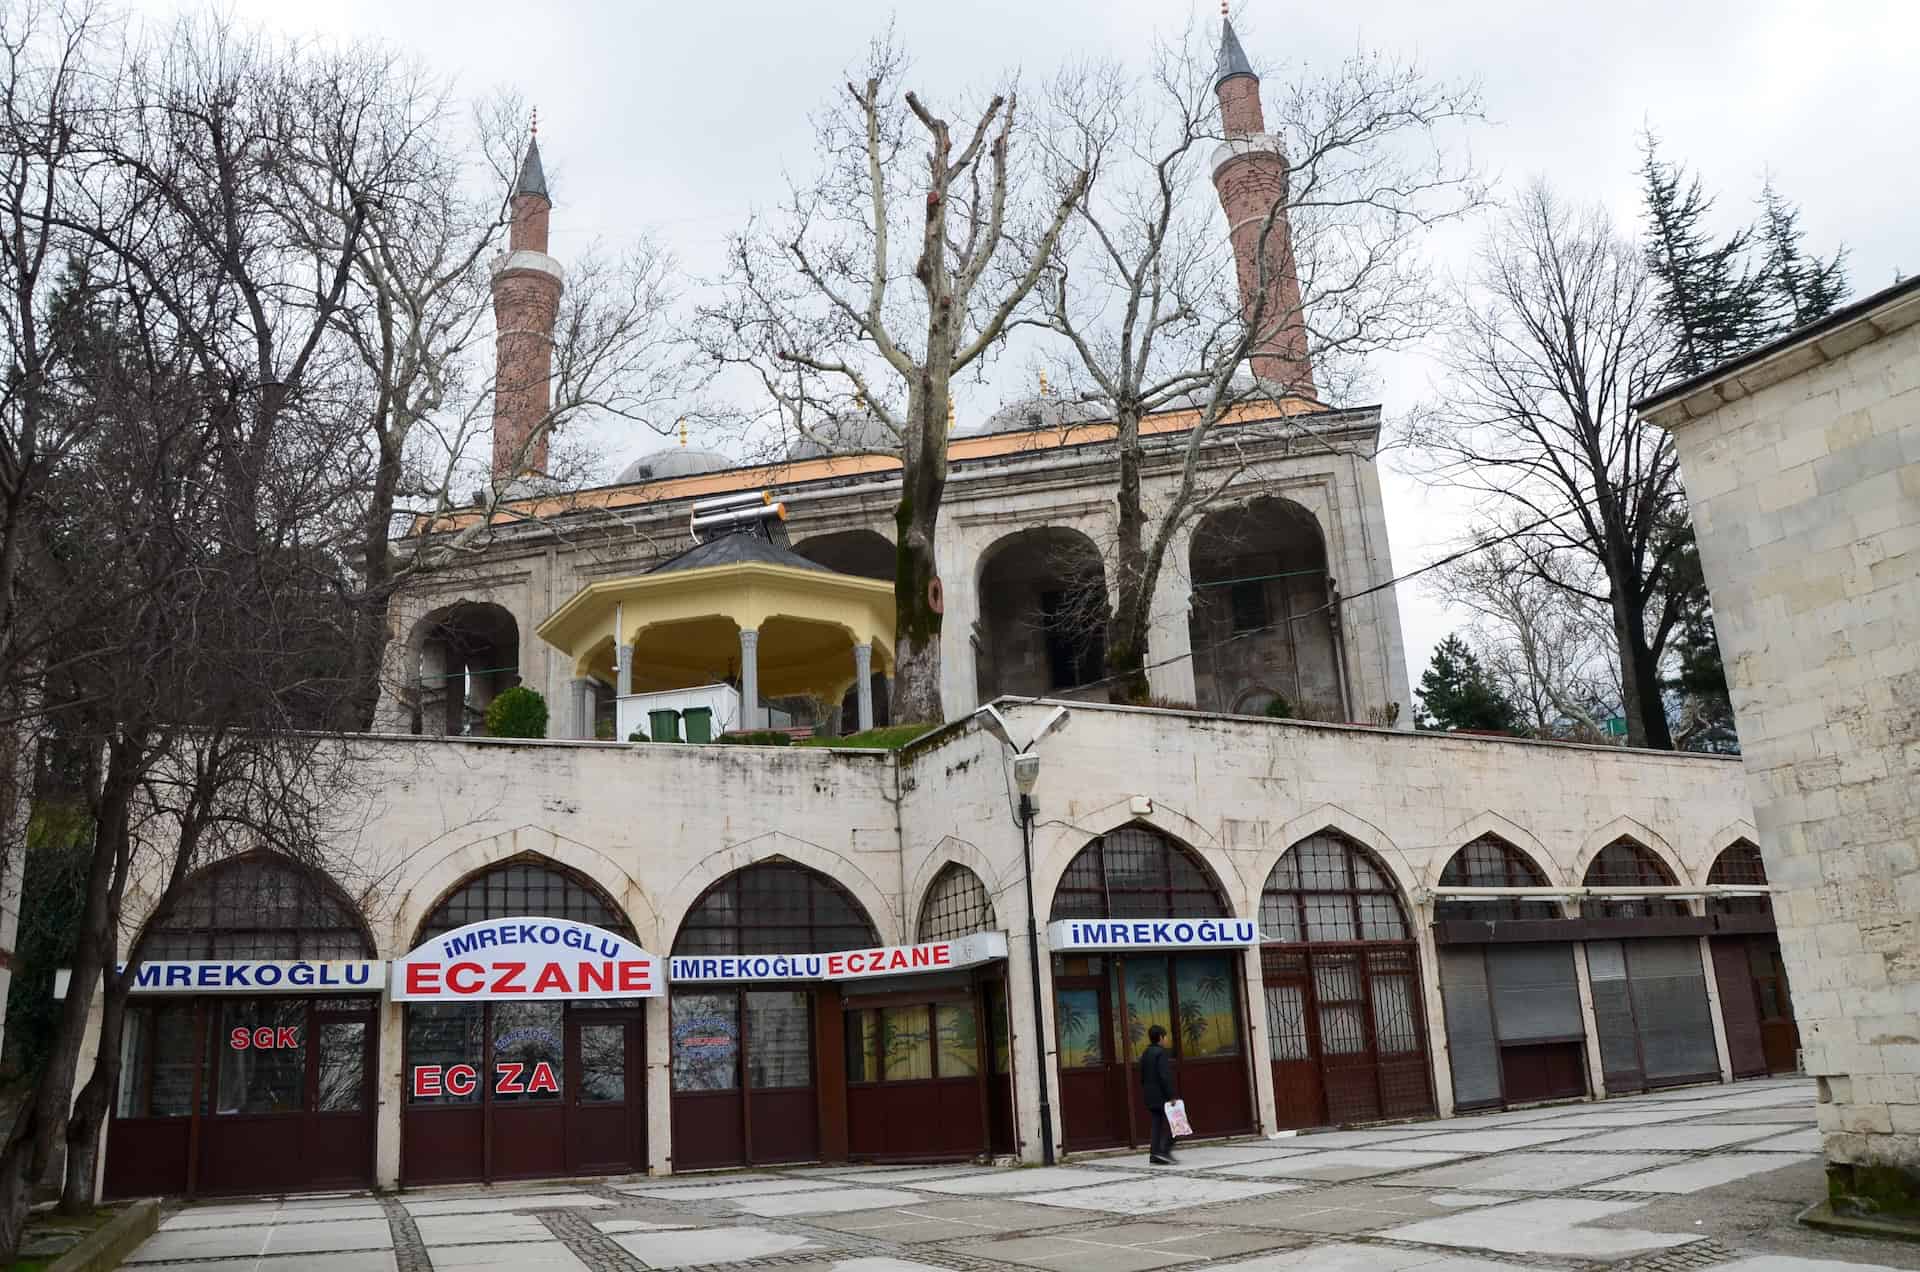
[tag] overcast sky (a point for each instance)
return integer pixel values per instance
(683, 117)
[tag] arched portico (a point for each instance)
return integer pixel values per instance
(1043, 614)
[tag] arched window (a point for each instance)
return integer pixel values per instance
(1492, 862)
(1327, 888)
(1136, 872)
(258, 906)
(1740, 863)
(523, 888)
(1627, 864)
(957, 905)
(775, 908)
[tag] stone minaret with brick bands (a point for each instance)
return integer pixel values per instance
(526, 298)
(1250, 172)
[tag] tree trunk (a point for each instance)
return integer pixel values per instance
(376, 565)
(1127, 640)
(1645, 709)
(917, 610)
(89, 1115)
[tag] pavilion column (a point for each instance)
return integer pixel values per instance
(863, 683)
(583, 705)
(749, 678)
(623, 673)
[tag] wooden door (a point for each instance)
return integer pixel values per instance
(1299, 1100)
(783, 1123)
(606, 1094)
(1092, 1114)
(525, 1082)
(1739, 1006)
(709, 1106)
(1779, 1034)
(1348, 1059)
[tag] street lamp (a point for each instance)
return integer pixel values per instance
(1026, 772)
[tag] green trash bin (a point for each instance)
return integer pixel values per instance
(665, 725)
(699, 724)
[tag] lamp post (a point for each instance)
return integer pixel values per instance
(1026, 771)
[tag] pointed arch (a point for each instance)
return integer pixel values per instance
(1489, 861)
(1387, 854)
(956, 904)
(259, 904)
(1055, 853)
(1330, 887)
(774, 907)
(1624, 827)
(1739, 862)
(877, 903)
(1627, 863)
(439, 877)
(1138, 871)
(525, 885)
(1523, 840)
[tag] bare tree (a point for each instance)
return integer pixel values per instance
(817, 300)
(1558, 333)
(1548, 648)
(1144, 295)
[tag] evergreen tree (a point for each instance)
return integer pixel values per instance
(1800, 287)
(1699, 676)
(1456, 692)
(1710, 300)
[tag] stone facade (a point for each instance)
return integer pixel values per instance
(1802, 463)
(652, 826)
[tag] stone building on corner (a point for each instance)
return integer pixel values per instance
(1802, 462)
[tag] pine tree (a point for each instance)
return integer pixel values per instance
(1709, 298)
(1801, 288)
(1456, 692)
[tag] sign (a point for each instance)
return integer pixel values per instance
(526, 958)
(510, 1077)
(1151, 934)
(265, 1038)
(249, 976)
(888, 960)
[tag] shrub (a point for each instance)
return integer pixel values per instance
(1279, 709)
(638, 735)
(518, 712)
(756, 737)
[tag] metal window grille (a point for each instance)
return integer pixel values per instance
(258, 906)
(957, 905)
(1137, 873)
(1326, 888)
(1492, 862)
(1626, 864)
(523, 889)
(1740, 863)
(775, 908)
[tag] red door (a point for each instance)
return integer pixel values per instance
(606, 1104)
(1298, 1098)
(1093, 1112)
(743, 1078)
(1345, 1033)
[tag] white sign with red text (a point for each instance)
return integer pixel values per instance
(526, 958)
(889, 960)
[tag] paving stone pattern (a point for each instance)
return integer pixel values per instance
(1552, 1188)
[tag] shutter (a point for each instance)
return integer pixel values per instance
(1670, 1002)
(1474, 1058)
(1739, 1006)
(1535, 995)
(1613, 1018)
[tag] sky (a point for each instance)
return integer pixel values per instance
(683, 119)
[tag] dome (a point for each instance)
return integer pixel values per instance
(674, 461)
(847, 434)
(1035, 414)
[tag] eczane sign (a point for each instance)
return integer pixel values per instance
(888, 960)
(507, 959)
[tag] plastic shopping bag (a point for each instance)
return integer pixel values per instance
(1177, 1118)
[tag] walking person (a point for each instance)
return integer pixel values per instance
(1157, 1088)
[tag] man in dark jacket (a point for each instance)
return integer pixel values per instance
(1157, 1087)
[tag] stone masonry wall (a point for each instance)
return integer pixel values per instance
(1806, 494)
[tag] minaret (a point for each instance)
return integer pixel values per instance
(526, 298)
(1250, 172)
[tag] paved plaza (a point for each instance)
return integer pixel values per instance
(1695, 1178)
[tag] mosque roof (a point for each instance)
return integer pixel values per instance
(674, 461)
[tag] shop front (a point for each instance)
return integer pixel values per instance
(1141, 936)
(249, 1041)
(525, 1018)
(823, 1054)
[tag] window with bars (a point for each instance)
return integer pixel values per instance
(957, 905)
(1327, 888)
(524, 889)
(1492, 862)
(775, 908)
(1627, 864)
(1137, 873)
(258, 906)
(1740, 863)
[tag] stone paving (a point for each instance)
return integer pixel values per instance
(1705, 1177)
